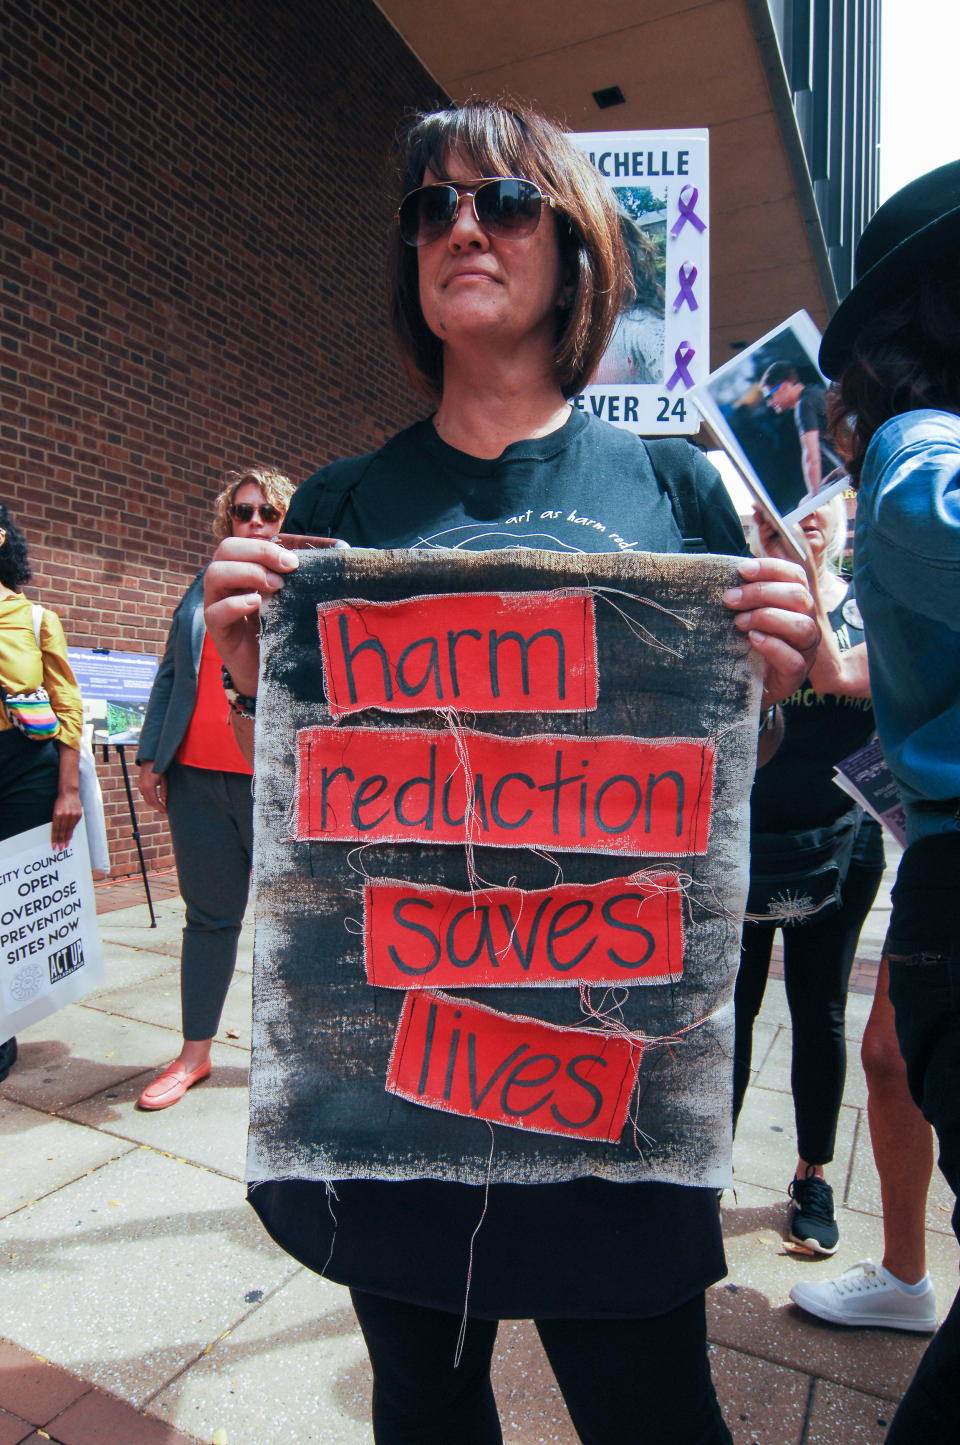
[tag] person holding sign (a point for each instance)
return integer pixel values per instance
(509, 272)
(192, 770)
(40, 715)
(894, 346)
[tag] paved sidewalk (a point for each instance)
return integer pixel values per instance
(132, 1265)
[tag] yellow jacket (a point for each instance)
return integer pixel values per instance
(22, 669)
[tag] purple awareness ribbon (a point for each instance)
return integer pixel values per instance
(683, 354)
(687, 202)
(686, 276)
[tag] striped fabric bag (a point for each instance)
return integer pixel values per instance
(32, 714)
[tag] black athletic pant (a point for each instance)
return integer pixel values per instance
(625, 1382)
(817, 958)
(923, 951)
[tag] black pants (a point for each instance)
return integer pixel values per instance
(923, 950)
(29, 779)
(817, 958)
(624, 1381)
(211, 825)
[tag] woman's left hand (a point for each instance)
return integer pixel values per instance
(776, 610)
(67, 813)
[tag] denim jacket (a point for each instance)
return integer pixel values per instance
(907, 573)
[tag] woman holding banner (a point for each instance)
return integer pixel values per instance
(40, 715)
(509, 273)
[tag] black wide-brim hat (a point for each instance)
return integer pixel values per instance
(920, 224)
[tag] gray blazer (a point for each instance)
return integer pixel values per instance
(174, 693)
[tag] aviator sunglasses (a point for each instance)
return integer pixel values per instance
(505, 206)
(246, 511)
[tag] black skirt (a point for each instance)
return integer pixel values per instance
(587, 1249)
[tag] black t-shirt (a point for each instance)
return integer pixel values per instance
(587, 1248)
(587, 487)
(810, 414)
(795, 790)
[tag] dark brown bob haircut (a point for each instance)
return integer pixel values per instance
(498, 139)
(904, 358)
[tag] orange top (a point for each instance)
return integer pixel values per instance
(209, 741)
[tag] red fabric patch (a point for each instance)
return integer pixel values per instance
(466, 1059)
(472, 651)
(410, 785)
(620, 931)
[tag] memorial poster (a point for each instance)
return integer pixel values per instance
(661, 345)
(500, 866)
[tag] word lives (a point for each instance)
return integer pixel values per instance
(470, 1060)
(620, 930)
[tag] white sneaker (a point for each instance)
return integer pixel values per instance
(868, 1295)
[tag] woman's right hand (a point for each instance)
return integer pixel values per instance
(153, 787)
(242, 573)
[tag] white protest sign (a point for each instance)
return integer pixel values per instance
(50, 952)
(661, 346)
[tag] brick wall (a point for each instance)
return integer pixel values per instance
(195, 198)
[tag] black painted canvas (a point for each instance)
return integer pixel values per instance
(584, 1062)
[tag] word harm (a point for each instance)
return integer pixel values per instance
(475, 651)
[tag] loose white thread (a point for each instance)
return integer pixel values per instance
(331, 1194)
(461, 1337)
(637, 629)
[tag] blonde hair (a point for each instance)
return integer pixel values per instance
(277, 488)
(834, 533)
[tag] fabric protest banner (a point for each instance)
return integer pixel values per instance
(50, 952)
(480, 911)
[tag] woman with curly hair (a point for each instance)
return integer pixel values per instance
(192, 770)
(39, 779)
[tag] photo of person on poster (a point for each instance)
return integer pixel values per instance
(767, 409)
(635, 353)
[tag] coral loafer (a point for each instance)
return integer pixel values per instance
(170, 1086)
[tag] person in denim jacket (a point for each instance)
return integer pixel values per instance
(894, 344)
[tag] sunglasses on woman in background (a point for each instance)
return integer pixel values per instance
(505, 206)
(245, 512)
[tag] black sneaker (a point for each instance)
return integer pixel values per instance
(814, 1223)
(8, 1057)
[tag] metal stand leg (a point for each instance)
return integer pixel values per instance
(136, 830)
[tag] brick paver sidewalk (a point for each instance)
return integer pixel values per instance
(39, 1401)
